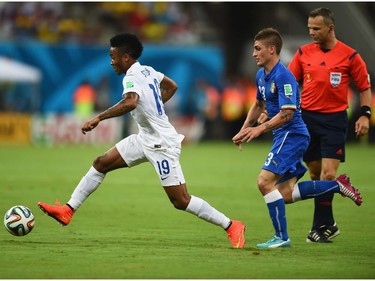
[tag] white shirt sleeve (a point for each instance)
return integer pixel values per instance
(131, 84)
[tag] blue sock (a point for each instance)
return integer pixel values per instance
(276, 207)
(310, 189)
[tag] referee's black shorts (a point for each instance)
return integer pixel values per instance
(328, 132)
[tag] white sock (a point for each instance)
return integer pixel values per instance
(88, 184)
(203, 210)
(272, 196)
(296, 195)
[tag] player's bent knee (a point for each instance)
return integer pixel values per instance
(99, 164)
(263, 187)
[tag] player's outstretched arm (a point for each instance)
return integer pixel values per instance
(127, 104)
(251, 120)
(254, 113)
(285, 115)
(168, 88)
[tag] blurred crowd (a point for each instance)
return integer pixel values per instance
(222, 108)
(95, 22)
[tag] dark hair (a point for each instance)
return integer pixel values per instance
(127, 43)
(327, 14)
(271, 37)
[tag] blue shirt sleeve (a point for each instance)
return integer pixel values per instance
(287, 88)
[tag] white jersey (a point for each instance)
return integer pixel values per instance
(155, 130)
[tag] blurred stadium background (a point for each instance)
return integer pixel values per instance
(55, 68)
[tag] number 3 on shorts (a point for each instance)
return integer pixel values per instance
(269, 159)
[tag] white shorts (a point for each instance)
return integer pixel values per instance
(166, 161)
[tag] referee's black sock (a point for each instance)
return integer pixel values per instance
(323, 213)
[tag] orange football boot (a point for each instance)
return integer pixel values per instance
(236, 234)
(63, 214)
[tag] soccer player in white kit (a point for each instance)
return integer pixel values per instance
(145, 92)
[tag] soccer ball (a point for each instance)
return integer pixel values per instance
(19, 220)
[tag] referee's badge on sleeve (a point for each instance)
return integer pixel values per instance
(335, 78)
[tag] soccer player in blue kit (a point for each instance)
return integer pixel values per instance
(278, 93)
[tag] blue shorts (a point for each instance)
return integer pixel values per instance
(285, 157)
(328, 135)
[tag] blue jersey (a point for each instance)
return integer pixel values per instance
(279, 90)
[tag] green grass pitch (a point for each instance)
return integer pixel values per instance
(129, 230)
